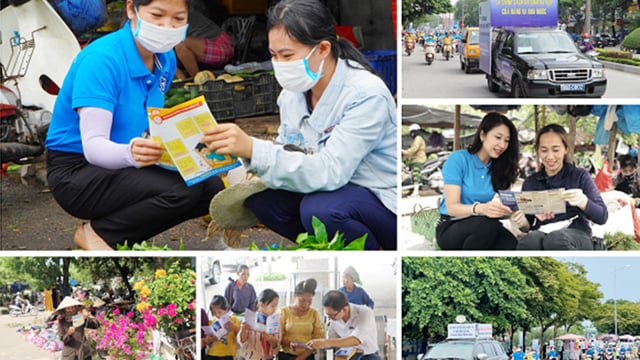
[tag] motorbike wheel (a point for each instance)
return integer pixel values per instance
(14, 313)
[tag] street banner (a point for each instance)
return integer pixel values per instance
(524, 13)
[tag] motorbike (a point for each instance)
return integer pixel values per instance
(409, 45)
(526, 166)
(430, 52)
(430, 175)
(15, 310)
(447, 51)
(31, 67)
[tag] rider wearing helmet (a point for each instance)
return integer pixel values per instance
(416, 155)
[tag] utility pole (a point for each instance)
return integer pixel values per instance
(587, 20)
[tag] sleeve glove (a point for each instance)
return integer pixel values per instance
(575, 197)
(520, 221)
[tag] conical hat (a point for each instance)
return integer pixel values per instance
(99, 302)
(68, 301)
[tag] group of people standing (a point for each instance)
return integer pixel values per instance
(301, 331)
(470, 216)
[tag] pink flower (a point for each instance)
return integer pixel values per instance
(116, 312)
(172, 310)
(190, 306)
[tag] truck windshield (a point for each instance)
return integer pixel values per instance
(454, 350)
(544, 42)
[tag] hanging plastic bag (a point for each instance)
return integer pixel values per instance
(81, 15)
(603, 177)
(622, 148)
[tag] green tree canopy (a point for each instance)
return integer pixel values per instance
(436, 290)
(416, 10)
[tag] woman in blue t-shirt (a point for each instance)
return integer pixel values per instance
(469, 219)
(100, 167)
(585, 202)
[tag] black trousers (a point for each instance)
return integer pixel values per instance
(474, 233)
(132, 204)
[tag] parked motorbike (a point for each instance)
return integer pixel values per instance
(409, 45)
(527, 165)
(16, 311)
(28, 83)
(430, 175)
(430, 52)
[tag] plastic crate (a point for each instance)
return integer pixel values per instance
(256, 95)
(385, 64)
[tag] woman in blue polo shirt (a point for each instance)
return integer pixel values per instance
(469, 219)
(342, 115)
(584, 201)
(99, 165)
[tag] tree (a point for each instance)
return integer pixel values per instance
(470, 10)
(436, 290)
(413, 10)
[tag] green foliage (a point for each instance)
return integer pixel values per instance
(436, 290)
(470, 10)
(632, 41)
(145, 246)
(510, 293)
(319, 240)
(632, 62)
(414, 10)
(271, 277)
(616, 54)
(174, 286)
(620, 241)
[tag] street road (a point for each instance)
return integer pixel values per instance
(445, 79)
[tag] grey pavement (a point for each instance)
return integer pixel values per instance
(12, 343)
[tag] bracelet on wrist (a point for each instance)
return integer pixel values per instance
(473, 208)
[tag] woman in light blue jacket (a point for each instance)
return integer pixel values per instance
(340, 117)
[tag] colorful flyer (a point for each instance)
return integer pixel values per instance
(179, 129)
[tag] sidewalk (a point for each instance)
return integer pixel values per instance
(13, 344)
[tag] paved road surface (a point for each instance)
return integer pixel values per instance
(12, 343)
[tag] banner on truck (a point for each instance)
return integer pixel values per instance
(484, 40)
(524, 13)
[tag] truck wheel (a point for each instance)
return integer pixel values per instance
(493, 87)
(467, 69)
(517, 90)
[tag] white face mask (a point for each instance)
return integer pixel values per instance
(158, 39)
(296, 75)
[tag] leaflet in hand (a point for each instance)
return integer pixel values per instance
(218, 328)
(298, 344)
(261, 322)
(179, 129)
(345, 353)
(78, 320)
(534, 202)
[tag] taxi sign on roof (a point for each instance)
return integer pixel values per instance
(469, 331)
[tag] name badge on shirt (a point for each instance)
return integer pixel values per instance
(163, 84)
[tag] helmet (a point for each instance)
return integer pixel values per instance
(414, 127)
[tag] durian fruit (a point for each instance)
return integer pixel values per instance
(203, 76)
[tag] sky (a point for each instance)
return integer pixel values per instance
(601, 269)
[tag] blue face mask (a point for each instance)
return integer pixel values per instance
(295, 75)
(158, 39)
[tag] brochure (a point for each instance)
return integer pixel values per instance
(298, 344)
(260, 322)
(218, 327)
(345, 353)
(78, 320)
(534, 202)
(179, 130)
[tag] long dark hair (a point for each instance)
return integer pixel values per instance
(504, 169)
(561, 132)
(266, 296)
(310, 22)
